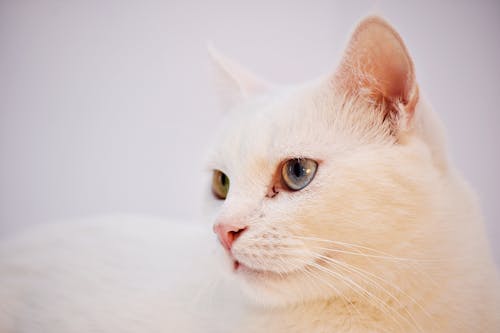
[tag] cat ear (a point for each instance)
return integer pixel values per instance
(234, 83)
(377, 66)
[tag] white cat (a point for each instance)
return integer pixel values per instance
(335, 205)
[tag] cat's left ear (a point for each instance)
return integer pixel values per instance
(377, 67)
(234, 83)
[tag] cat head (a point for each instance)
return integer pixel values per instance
(314, 182)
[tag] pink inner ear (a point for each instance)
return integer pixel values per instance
(377, 63)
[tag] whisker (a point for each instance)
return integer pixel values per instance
(381, 254)
(357, 248)
(365, 255)
(344, 298)
(363, 273)
(363, 293)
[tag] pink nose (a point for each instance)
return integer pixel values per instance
(228, 233)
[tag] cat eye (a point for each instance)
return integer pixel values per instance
(220, 184)
(297, 173)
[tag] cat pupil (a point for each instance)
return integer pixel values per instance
(297, 169)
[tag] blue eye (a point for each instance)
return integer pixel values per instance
(297, 173)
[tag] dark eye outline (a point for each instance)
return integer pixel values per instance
(287, 166)
(220, 184)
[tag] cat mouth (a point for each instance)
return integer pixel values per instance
(240, 268)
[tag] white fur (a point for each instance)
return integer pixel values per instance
(112, 274)
(401, 199)
(386, 238)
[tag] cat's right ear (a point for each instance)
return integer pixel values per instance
(234, 83)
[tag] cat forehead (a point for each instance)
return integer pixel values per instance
(288, 123)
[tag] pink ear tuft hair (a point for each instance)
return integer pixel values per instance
(377, 65)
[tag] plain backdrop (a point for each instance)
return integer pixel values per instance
(107, 106)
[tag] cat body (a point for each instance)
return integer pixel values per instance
(336, 207)
(111, 274)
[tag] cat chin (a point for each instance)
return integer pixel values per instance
(277, 293)
(267, 293)
(260, 288)
(275, 290)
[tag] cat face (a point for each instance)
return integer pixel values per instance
(349, 143)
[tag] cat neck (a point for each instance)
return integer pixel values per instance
(415, 305)
(335, 314)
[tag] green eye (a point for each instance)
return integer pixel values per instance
(220, 184)
(297, 173)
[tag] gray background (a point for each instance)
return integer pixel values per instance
(106, 106)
